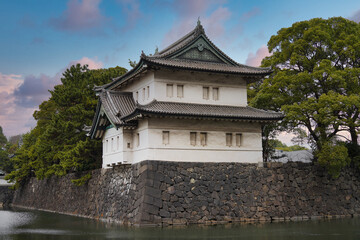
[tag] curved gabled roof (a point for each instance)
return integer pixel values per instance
(194, 52)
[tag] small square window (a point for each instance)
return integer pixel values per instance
(166, 137)
(193, 138)
(205, 92)
(180, 91)
(169, 90)
(238, 139)
(203, 138)
(229, 139)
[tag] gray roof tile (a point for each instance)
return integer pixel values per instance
(207, 110)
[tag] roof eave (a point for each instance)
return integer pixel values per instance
(261, 75)
(139, 113)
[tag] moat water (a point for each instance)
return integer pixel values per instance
(42, 225)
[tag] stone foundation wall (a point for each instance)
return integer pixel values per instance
(6, 196)
(162, 193)
(113, 194)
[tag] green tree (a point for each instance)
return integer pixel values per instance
(315, 81)
(3, 139)
(58, 145)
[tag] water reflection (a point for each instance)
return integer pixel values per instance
(41, 225)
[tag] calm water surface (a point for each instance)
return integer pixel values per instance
(41, 225)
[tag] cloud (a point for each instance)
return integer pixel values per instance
(13, 118)
(250, 14)
(20, 96)
(356, 16)
(188, 11)
(239, 26)
(255, 59)
(92, 64)
(9, 82)
(131, 9)
(34, 90)
(80, 15)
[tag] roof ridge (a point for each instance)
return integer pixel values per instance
(263, 110)
(118, 92)
(187, 103)
(197, 31)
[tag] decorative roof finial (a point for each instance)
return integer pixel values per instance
(199, 28)
(156, 50)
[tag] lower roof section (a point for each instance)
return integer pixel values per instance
(203, 111)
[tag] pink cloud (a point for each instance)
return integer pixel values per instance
(255, 59)
(21, 96)
(9, 82)
(188, 11)
(356, 16)
(92, 64)
(79, 15)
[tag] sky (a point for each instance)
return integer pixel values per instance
(39, 39)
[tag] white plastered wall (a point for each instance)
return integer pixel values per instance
(179, 148)
(142, 89)
(150, 145)
(232, 90)
(117, 147)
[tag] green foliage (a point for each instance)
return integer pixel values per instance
(354, 153)
(334, 157)
(315, 81)
(58, 145)
(3, 139)
(291, 148)
(82, 180)
(7, 150)
(277, 144)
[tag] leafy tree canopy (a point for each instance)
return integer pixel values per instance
(3, 139)
(316, 80)
(58, 145)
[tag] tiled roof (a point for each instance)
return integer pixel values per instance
(204, 111)
(168, 58)
(207, 66)
(121, 109)
(117, 104)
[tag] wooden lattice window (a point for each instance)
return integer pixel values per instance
(203, 139)
(180, 91)
(166, 137)
(169, 90)
(205, 92)
(193, 138)
(215, 94)
(238, 139)
(229, 139)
